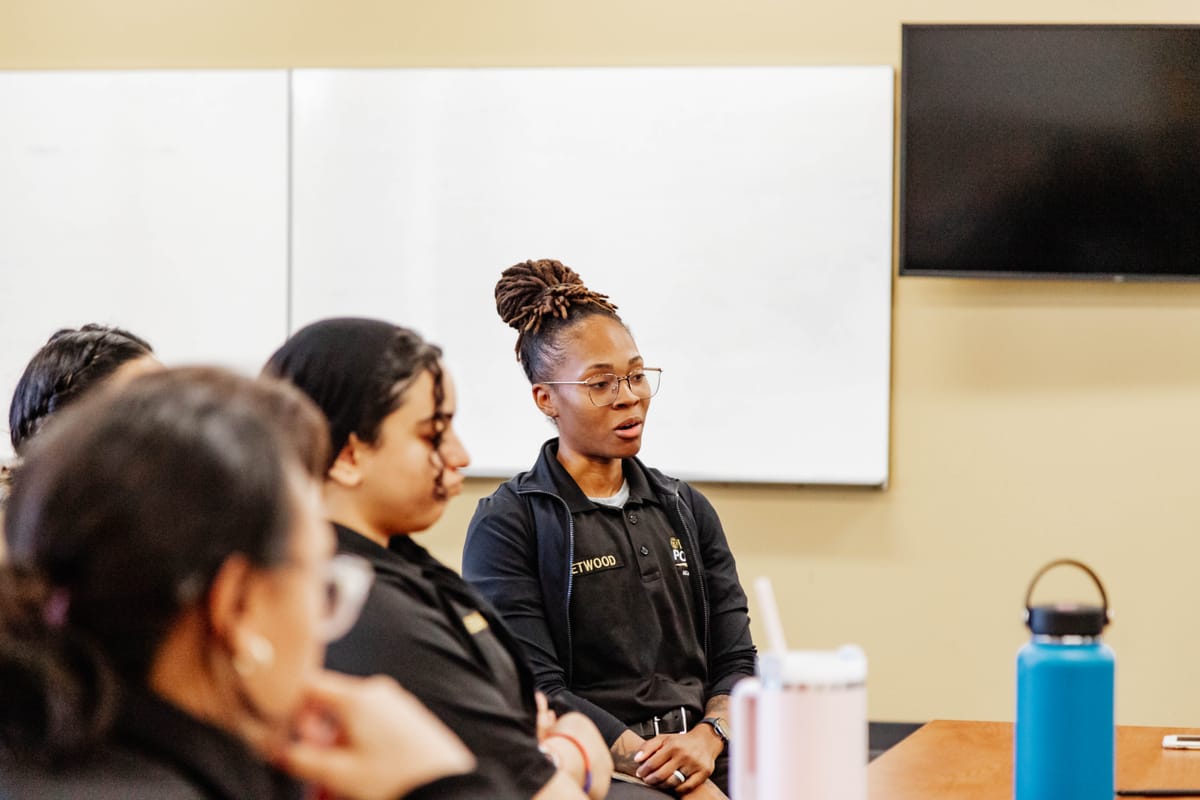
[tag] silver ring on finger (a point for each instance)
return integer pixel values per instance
(679, 776)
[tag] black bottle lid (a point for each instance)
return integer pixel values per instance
(1067, 619)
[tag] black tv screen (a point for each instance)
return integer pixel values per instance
(1050, 151)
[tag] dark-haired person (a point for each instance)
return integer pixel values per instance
(163, 617)
(394, 464)
(70, 363)
(617, 579)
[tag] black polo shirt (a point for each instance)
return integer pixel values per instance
(636, 648)
(427, 628)
(157, 751)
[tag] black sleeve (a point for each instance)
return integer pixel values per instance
(732, 651)
(500, 561)
(402, 636)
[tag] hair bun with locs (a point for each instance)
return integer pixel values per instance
(538, 298)
(529, 292)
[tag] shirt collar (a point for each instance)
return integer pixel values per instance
(640, 490)
(405, 558)
(351, 541)
(207, 756)
(565, 486)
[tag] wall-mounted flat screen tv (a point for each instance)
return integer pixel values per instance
(1050, 151)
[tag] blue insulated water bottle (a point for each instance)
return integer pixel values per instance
(1065, 734)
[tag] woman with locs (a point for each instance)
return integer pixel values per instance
(617, 579)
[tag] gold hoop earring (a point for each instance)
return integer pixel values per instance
(258, 653)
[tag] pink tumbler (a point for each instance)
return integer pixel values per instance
(800, 727)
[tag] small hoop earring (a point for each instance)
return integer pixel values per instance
(259, 653)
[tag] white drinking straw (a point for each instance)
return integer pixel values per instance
(770, 611)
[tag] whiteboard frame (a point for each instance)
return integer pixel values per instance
(403, 184)
(229, 207)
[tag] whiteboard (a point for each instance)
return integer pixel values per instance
(156, 201)
(740, 217)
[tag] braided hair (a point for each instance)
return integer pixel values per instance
(64, 368)
(542, 300)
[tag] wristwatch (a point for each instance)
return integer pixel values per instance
(718, 725)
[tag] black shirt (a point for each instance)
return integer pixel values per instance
(637, 653)
(159, 752)
(426, 627)
(156, 750)
(520, 554)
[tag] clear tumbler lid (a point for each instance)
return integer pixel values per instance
(845, 666)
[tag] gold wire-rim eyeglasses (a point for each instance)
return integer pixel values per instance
(649, 381)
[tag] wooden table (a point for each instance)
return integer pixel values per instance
(948, 760)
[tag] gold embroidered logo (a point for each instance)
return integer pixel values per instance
(474, 623)
(678, 555)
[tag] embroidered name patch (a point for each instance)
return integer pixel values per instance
(589, 566)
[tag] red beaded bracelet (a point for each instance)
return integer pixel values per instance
(587, 765)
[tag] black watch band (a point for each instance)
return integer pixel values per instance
(718, 725)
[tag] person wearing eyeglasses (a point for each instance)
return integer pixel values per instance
(169, 596)
(395, 462)
(616, 578)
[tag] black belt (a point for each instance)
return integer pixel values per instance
(674, 721)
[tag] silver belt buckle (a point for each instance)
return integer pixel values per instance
(683, 728)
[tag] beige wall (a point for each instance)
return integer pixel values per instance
(1031, 420)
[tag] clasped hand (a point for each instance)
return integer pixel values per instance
(693, 753)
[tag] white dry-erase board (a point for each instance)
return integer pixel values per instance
(740, 217)
(157, 201)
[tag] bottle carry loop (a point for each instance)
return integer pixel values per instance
(1068, 562)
